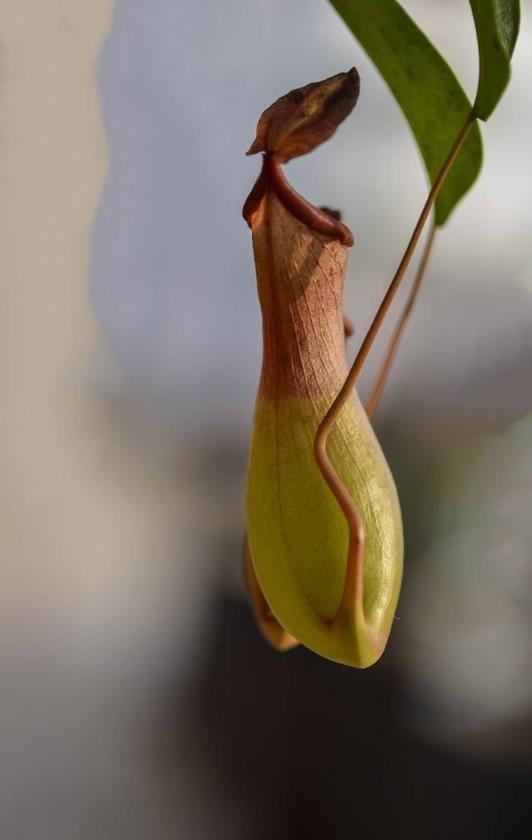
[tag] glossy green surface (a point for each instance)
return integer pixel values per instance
(298, 535)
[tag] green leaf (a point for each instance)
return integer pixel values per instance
(424, 86)
(497, 25)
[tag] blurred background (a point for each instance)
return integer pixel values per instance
(138, 699)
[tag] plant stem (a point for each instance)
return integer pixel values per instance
(340, 399)
(393, 344)
(333, 480)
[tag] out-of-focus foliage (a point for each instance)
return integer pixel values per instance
(469, 608)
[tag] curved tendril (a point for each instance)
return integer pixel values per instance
(393, 344)
(354, 581)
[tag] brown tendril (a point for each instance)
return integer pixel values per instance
(353, 588)
(393, 344)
